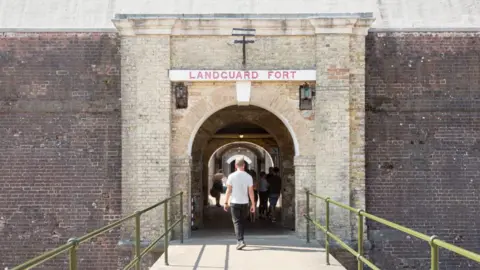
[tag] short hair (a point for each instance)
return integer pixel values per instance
(240, 162)
(220, 171)
(276, 170)
(262, 174)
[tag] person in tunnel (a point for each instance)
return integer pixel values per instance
(263, 192)
(217, 186)
(239, 190)
(253, 174)
(274, 190)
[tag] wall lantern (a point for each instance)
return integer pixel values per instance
(306, 94)
(181, 95)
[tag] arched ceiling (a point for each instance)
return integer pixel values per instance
(257, 150)
(245, 114)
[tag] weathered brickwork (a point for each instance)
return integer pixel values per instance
(63, 130)
(60, 145)
(146, 106)
(219, 52)
(422, 137)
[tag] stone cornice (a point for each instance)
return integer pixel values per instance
(222, 25)
(136, 27)
(362, 26)
(347, 26)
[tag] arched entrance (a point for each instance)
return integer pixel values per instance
(243, 124)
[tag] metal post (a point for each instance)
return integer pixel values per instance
(434, 254)
(73, 253)
(137, 240)
(181, 217)
(244, 53)
(165, 224)
(327, 226)
(308, 217)
(360, 239)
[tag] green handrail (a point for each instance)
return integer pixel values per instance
(433, 241)
(73, 243)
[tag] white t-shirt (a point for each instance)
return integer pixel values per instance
(240, 182)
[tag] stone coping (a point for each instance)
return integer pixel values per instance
(281, 16)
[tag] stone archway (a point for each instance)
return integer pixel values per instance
(157, 138)
(215, 162)
(203, 148)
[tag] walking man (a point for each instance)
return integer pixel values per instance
(240, 189)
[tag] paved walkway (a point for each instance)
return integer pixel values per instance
(276, 252)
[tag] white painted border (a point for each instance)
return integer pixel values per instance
(181, 75)
(210, 113)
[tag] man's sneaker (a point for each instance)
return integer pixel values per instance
(240, 245)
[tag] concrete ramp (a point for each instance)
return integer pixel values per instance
(262, 252)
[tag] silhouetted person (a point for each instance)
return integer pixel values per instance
(263, 192)
(274, 191)
(217, 186)
(240, 188)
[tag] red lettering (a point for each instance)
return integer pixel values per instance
(200, 75)
(216, 75)
(247, 75)
(285, 75)
(208, 75)
(293, 74)
(239, 75)
(191, 75)
(254, 75)
(224, 75)
(278, 74)
(270, 74)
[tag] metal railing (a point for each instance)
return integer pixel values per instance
(433, 241)
(73, 243)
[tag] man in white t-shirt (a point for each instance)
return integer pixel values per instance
(240, 189)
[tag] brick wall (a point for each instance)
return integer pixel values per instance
(423, 144)
(59, 145)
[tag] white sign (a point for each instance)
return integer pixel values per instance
(242, 75)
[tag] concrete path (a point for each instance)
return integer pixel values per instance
(276, 252)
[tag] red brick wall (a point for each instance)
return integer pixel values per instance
(60, 145)
(423, 144)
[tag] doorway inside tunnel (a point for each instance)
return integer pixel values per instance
(264, 141)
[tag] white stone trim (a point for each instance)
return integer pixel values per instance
(333, 25)
(244, 89)
(223, 27)
(134, 27)
(362, 26)
(296, 145)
